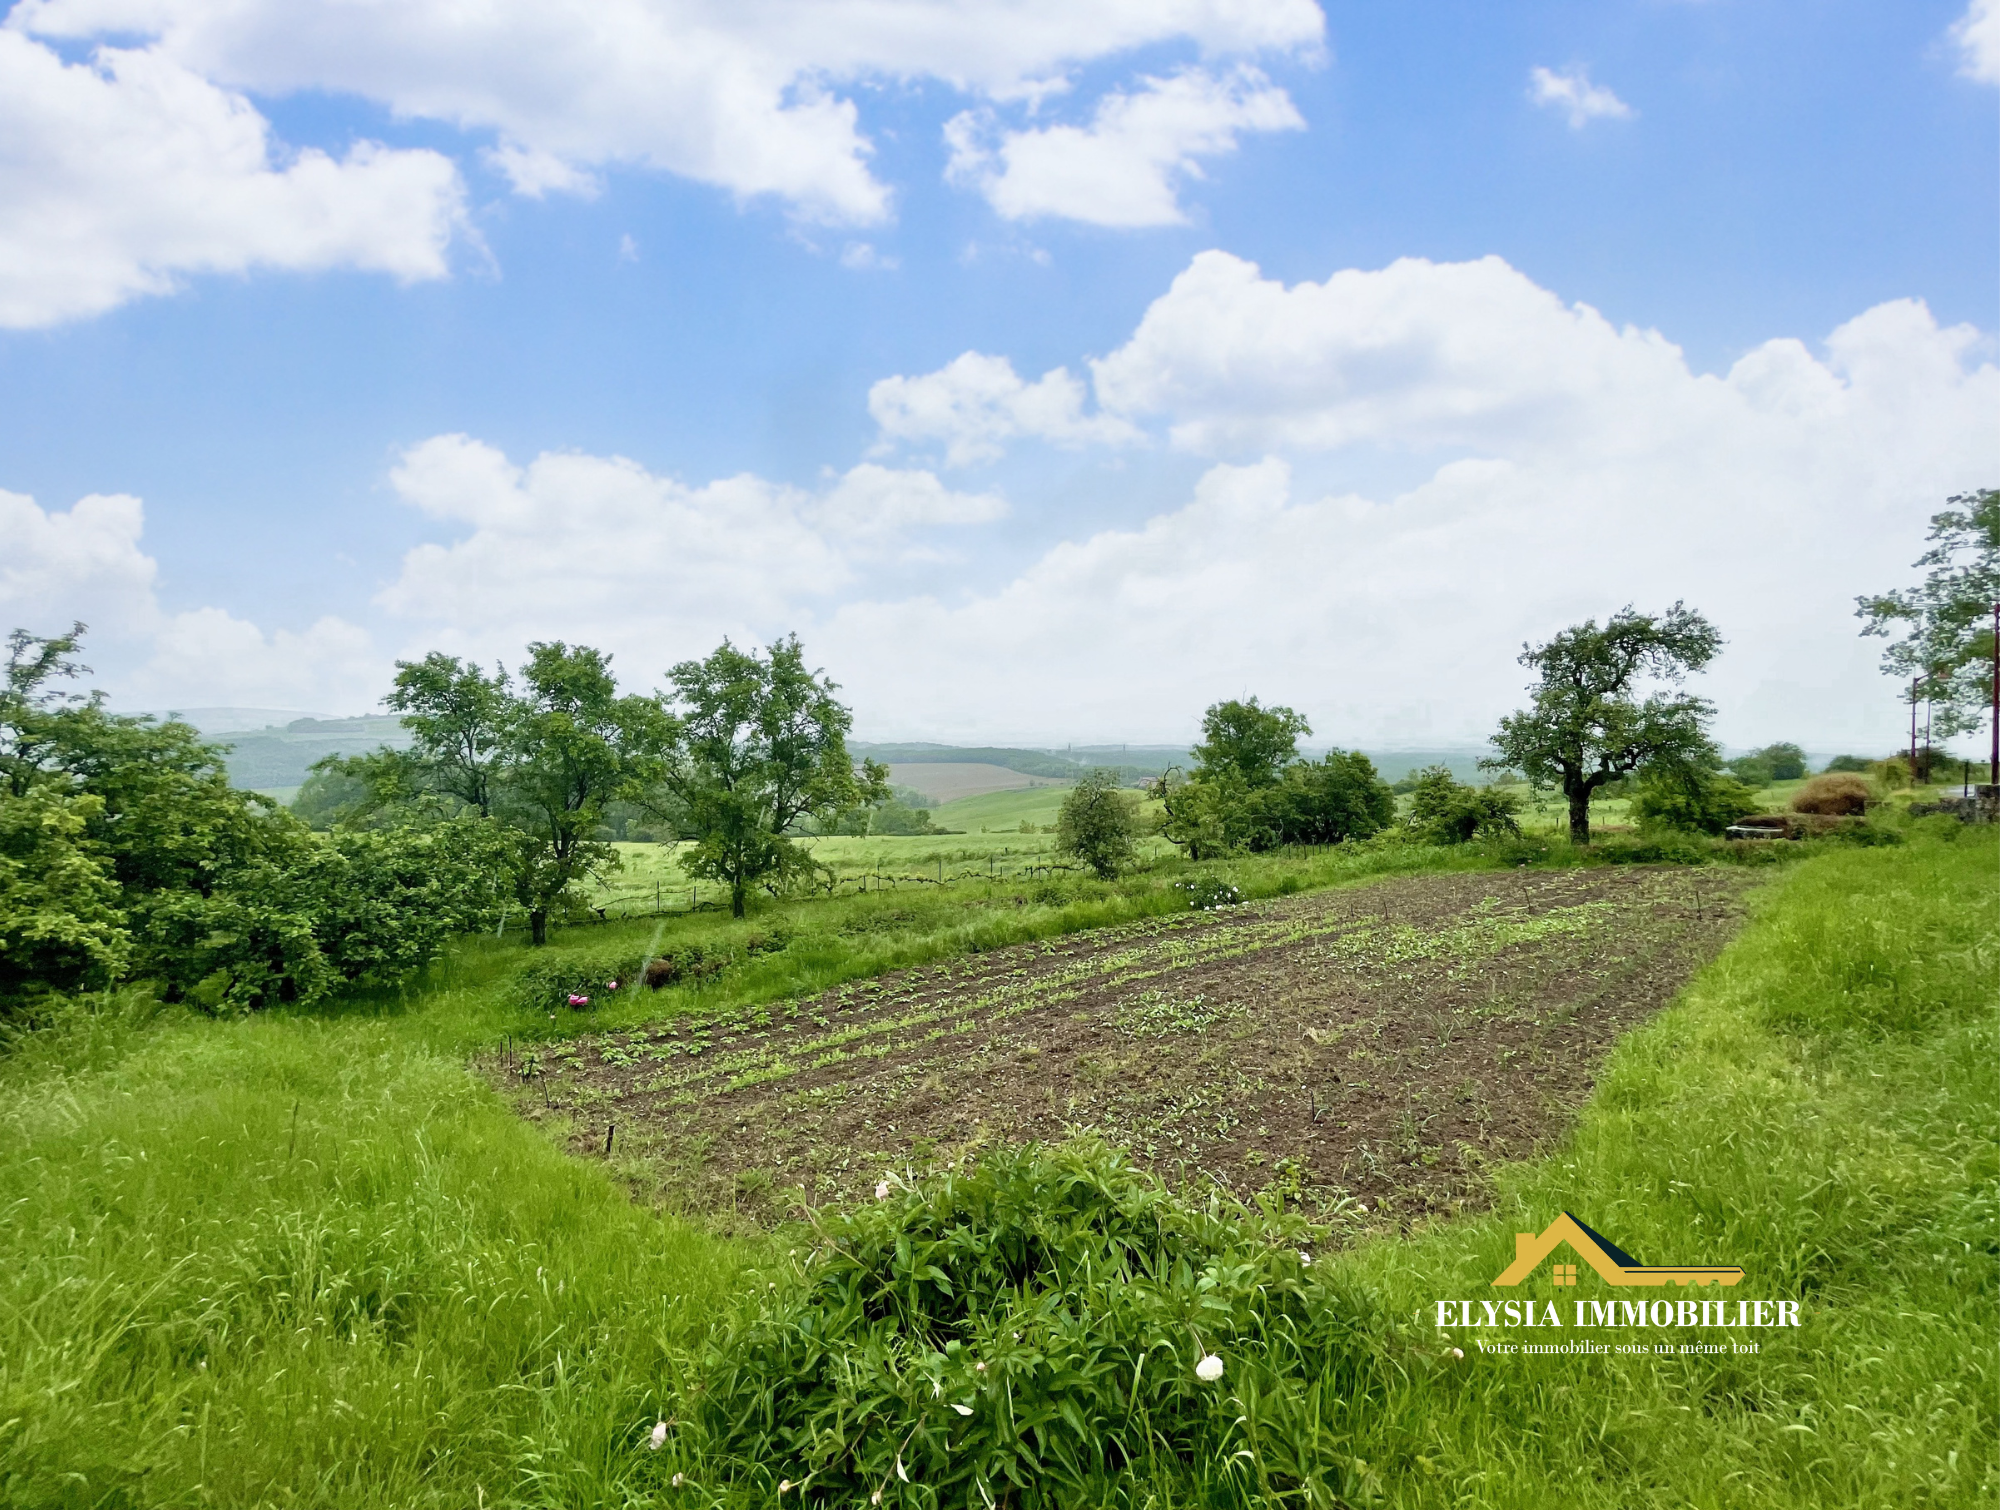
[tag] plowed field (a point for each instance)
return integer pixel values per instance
(1382, 1042)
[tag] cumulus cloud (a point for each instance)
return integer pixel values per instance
(1124, 169)
(976, 404)
(121, 175)
(1977, 35)
(1594, 468)
(1413, 355)
(598, 548)
(88, 563)
(1572, 93)
(741, 96)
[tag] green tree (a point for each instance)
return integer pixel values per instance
(1326, 801)
(757, 743)
(545, 757)
(1098, 824)
(1248, 741)
(1588, 725)
(1444, 810)
(61, 926)
(1941, 630)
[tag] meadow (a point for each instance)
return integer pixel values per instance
(319, 1259)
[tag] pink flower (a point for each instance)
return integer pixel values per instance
(579, 1001)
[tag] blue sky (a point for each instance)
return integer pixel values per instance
(1357, 493)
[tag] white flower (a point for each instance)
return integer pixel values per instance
(979, 1367)
(1360, 1208)
(1458, 1352)
(882, 1191)
(875, 1498)
(679, 1479)
(1209, 1369)
(659, 1437)
(783, 1485)
(963, 1410)
(1305, 1258)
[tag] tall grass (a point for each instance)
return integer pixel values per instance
(298, 1263)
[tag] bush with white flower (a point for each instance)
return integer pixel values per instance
(1030, 1326)
(1207, 893)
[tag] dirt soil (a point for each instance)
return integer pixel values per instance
(1383, 1043)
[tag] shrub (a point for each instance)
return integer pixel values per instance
(1840, 795)
(1444, 810)
(1857, 763)
(549, 982)
(1206, 893)
(1690, 800)
(1027, 1331)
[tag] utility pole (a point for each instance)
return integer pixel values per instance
(1914, 684)
(1993, 775)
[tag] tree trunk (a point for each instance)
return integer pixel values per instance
(1579, 815)
(538, 927)
(736, 900)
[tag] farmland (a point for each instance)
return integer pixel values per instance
(1387, 1043)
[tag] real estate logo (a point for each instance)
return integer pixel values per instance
(1613, 1264)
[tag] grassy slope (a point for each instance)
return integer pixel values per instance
(417, 1301)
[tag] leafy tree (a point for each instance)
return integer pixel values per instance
(1328, 801)
(1587, 725)
(1247, 741)
(1444, 810)
(1098, 824)
(1856, 763)
(1205, 818)
(1945, 623)
(124, 847)
(60, 923)
(1787, 761)
(1691, 800)
(461, 719)
(545, 758)
(756, 743)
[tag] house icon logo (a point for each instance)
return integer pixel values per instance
(1613, 1264)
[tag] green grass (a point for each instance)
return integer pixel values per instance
(312, 1261)
(1002, 810)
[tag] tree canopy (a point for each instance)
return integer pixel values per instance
(124, 851)
(1249, 790)
(1941, 631)
(1587, 724)
(753, 744)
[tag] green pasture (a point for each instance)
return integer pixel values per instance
(310, 1260)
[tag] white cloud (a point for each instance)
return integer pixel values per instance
(977, 403)
(1572, 92)
(874, 502)
(599, 549)
(1601, 471)
(1413, 355)
(119, 176)
(87, 564)
(734, 94)
(1124, 169)
(1977, 35)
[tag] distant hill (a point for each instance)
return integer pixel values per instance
(282, 755)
